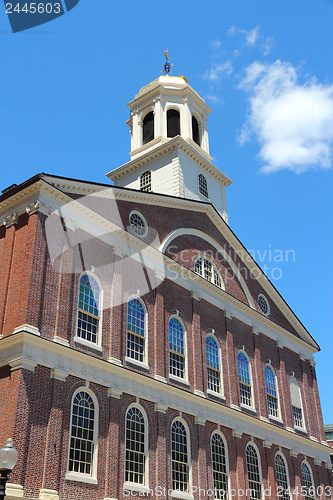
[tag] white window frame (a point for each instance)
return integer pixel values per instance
(209, 391)
(303, 428)
(175, 493)
(77, 476)
(243, 405)
(139, 214)
(182, 380)
(259, 466)
(128, 359)
(148, 184)
(214, 267)
(312, 479)
(278, 417)
(286, 468)
(129, 486)
(79, 340)
(219, 433)
(201, 194)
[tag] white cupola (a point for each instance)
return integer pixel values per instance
(170, 146)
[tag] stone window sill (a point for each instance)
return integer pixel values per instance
(81, 478)
(132, 361)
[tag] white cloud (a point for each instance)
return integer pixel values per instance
(251, 36)
(217, 71)
(216, 44)
(293, 122)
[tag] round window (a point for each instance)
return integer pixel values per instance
(263, 304)
(138, 224)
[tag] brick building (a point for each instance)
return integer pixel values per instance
(143, 351)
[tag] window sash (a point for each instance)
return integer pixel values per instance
(177, 365)
(297, 416)
(81, 448)
(135, 348)
(135, 456)
(213, 380)
(87, 326)
(245, 394)
(219, 466)
(273, 409)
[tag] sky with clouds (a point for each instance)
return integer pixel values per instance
(265, 69)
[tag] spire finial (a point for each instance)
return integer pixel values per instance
(166, 66)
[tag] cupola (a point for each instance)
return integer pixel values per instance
(170, 146)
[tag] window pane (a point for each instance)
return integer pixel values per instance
(179, 457)
(253, 473)
(82, 438)
(297, 414)
(307, 482)
(281, 477)
(219, 467)
(135, 447)
(203, 189)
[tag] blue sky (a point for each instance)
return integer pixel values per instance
(265, 69)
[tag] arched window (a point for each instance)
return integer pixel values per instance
(271, 392)
(145, 181)
(213, 364)
(177, 348)
(203, 188)
(244, 376)
(135, 447)
(253, 472)
(173, 123)
(281, 477)
(83, 434)
(136, 330)
(307, 482)
(89, 307)
(296, 402)
(195, 130)
(179, 457)
(219, 466)
(148, 128)
(208, 270)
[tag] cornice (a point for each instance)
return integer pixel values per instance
(163, 149)
(26, 350)
(159, 89)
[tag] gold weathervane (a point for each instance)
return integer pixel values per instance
(167, 66)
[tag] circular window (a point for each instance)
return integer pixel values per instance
(138, 224)
(263, 304)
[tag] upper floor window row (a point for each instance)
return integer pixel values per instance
(88, 331)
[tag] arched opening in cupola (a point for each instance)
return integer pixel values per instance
(173, 123)
(148, 128)
(195, 130)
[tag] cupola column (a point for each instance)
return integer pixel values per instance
(186, 120)
(204, 134)
(158, 118)
(136, 132)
